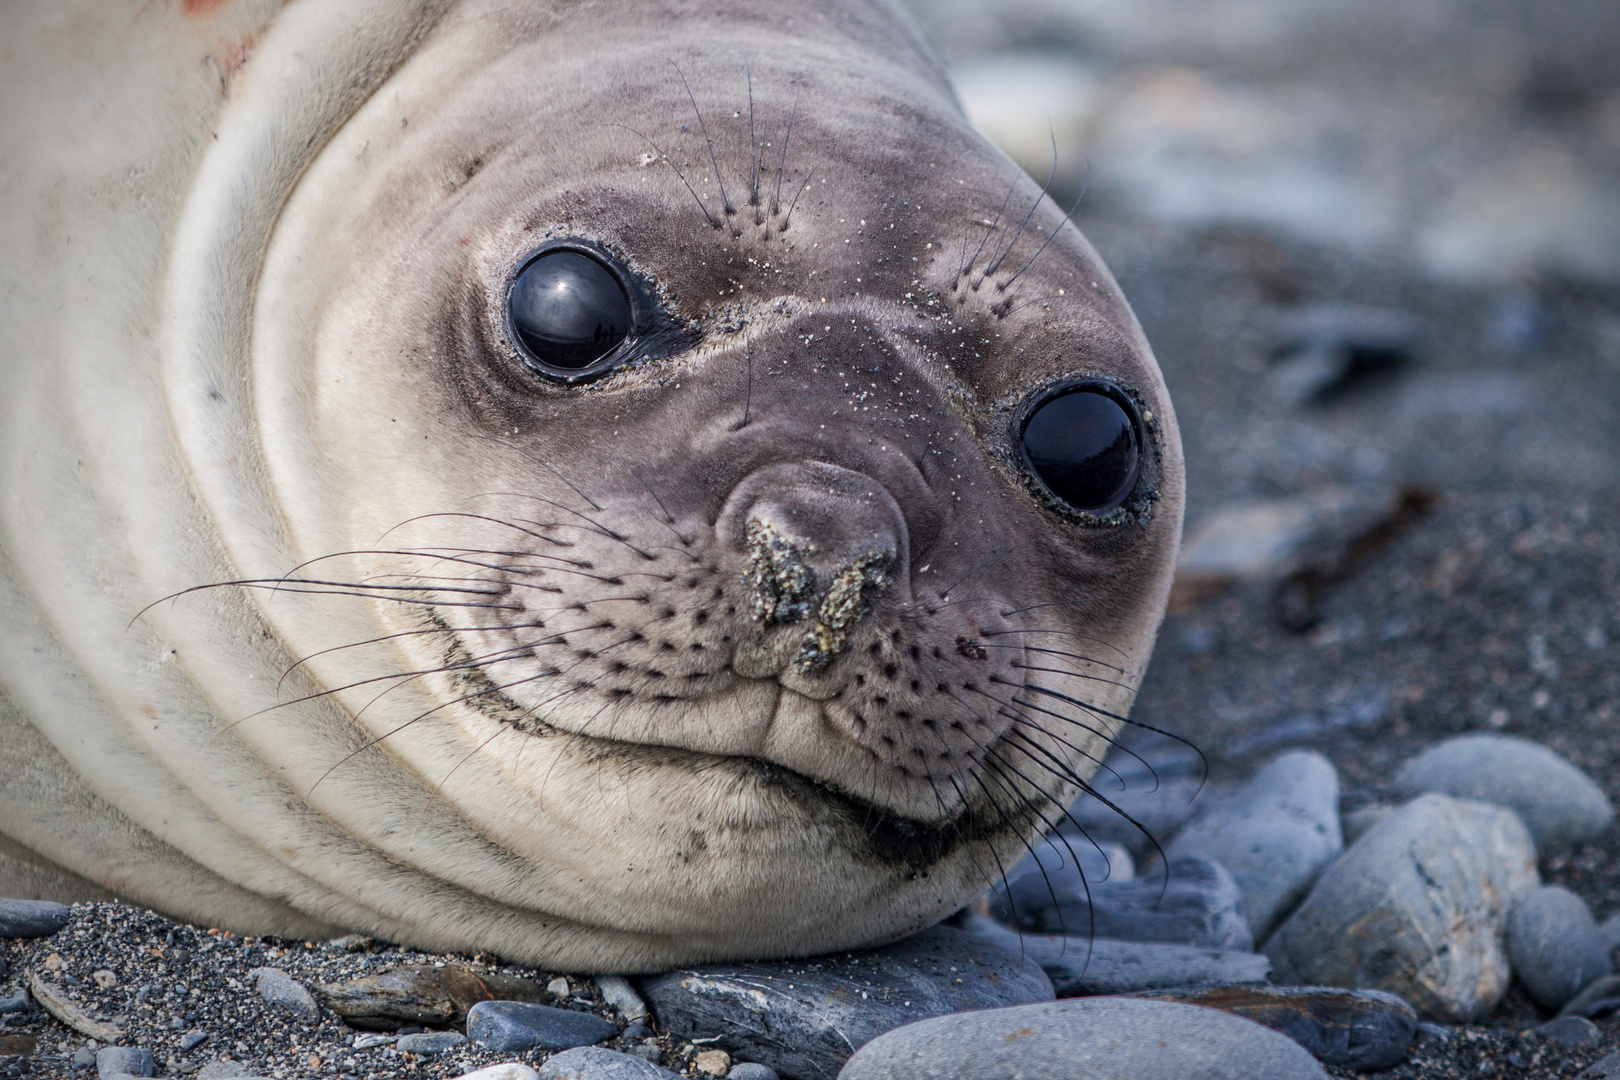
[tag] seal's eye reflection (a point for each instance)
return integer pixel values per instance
(568, 311)
(1083, 445)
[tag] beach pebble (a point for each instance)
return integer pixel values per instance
(712, 1062)
(32, 918)
(1198, 905)
(1160, 791)
(191, 1040)
(282, 990)
(506, 1070)
(14, 1003)
(1575, 1032)
(1357, 823)
(430, 1042)
(1078, 965)
(600, 1063)
(1059, 869)
(522, 1025)
(1085, 1038)
(1417, 908)
(1554, 945)
(1597, 997)
(1354, 1029)
(617, 992)
(751, 1070)
(1605, 1068)
(1273, 835)
(1557, 802)
(804, 1017)
(124, 1060)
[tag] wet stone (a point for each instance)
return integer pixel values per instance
(1557, 802)
(1353, 1029)
(520, 1025)
(124, 1061)
(1554, 945)
(430, 1042)
(1198, 905)
(599, 1063)
(1575, 1032)
(1417, 908)
(803, 1017)
(32, 918)
(1274, 835)
(418, 994)
(1081, 966)
(1143, 1040)
(282, 990)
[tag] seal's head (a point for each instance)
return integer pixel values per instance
(745, 504)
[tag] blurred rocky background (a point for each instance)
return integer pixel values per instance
(1376, 247)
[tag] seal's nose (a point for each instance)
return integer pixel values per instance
(820, 544)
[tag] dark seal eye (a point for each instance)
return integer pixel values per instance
(1084, 446)
(567, 311)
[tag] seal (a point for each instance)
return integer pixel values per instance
(616, 485)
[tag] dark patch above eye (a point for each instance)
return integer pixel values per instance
(568, 313)
(1084, 444)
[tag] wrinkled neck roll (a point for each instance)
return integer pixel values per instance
(614, 485)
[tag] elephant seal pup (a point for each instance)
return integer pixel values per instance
(683, 494)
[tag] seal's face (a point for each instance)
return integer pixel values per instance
(824, 518)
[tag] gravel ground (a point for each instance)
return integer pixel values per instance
(170, 981)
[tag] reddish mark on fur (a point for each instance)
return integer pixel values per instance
(200, 7)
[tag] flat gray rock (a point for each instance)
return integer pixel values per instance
(1600, 996)
(1080, 966)
(750, 1070)
(1418, 908)
(430, 1042)
(1198, 905)
(1575, 1032)
(523, 1025)
(32, 918)
(282, 990)
(1362, 1030)
(1085, 1039)
(1274, 834)
(1557, 802)
(124, 1061)
(804, 1018)
(600, 1063)
(1554, 945)
(1060, 869)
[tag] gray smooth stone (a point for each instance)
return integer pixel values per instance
(522, 1025)
(1609, 931)
(282, 990)
(1080, 966)
(617, 992)
(1417, 908)
(1085, 1039)
(1605, 1068)
(1199, 905)
(751, 1070)
(126, 1060)
(1060, 868)
(1557, 802)
(1355, 1029)
(14, 1003)
(1160, 799)
(1274, 834)
(1601, 996)
(430, 1042)
(32, 918)
(804, 1018)
(1357, 823)
(1575, 1032)
(1554, 945)
(600, 1063)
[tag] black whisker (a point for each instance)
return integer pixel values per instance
(1059, 228)
(725, 200)
(995, 263)
(776, 199)
(666, 158)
